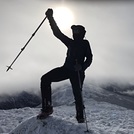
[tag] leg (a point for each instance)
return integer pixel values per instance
(54, 75)
(77, 91)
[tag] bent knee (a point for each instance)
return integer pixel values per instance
(45, 80)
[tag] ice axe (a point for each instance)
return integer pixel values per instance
(22, 49)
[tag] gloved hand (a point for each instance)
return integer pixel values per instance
(49, 12)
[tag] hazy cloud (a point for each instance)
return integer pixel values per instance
(109, 30)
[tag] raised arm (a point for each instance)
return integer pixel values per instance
(56, 31)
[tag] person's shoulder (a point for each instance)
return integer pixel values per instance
(86, 42)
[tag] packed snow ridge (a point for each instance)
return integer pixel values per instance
(102, 117)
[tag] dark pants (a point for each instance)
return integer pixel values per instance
(59, 74)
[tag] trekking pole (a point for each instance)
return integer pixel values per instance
(82, 98)
(22, 49)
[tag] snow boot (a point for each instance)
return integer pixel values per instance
(79, 113)
(45, 113)
(80, 118)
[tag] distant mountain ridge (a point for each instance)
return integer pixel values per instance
(20, 100)
(113, 93)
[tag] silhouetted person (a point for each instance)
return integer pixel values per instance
(78, 51)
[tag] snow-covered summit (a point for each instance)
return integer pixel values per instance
(102, 117)
(51, 125)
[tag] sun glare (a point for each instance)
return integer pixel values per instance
(64, 17)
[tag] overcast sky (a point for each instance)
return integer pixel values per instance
(110, 31)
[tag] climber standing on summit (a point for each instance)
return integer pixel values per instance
(78, 59)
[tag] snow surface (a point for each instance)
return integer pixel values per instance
(102, 118)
